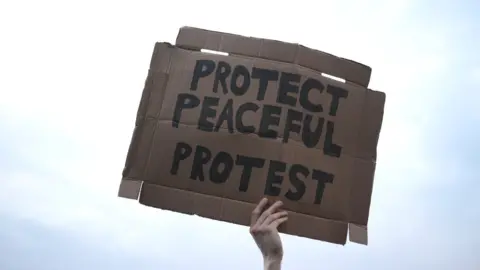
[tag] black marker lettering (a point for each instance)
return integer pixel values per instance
(288, 84)
(217, 176)
(221, 74)
(203, 68)
(202, 156)
(184, 101)
(249, 106)
(274, 181)
(330, 148)
(310, 139)
(270, 117)
(297, 182)
(322, 178)
(240, 71)
(226, 115)
(336, 93)
(290, 125)
(248, 164)
(207, 112)
(182, 152)
(308, 85)
(264, 76)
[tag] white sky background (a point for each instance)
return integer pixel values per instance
(71, 76)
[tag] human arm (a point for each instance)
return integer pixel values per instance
(263, 228)
(272, 264)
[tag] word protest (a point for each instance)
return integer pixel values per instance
(215, 133)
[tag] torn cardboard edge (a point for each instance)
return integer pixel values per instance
(131, 189)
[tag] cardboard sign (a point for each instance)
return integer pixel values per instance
(216, 133)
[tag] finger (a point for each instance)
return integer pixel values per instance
(272, 209)
(278, 222)
(274, 217)
(258, 210)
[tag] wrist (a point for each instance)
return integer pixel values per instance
(272, 263)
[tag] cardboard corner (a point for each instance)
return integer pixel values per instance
(358, 234)
(130, 189)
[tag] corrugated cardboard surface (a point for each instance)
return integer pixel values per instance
(323, 189)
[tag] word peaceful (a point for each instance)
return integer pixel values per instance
(289, 92)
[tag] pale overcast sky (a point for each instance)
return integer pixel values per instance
(71, 76)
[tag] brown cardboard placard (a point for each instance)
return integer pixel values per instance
(216, 133)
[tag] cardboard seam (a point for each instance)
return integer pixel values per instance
(254, 135)
(351, 170)
(212, 196)
(259, 52)
(141, 112)
(377, 131)
(365, 120)
(297, 55)
(225, 198)
(252, 205)
(139, 124)
(163, 89)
